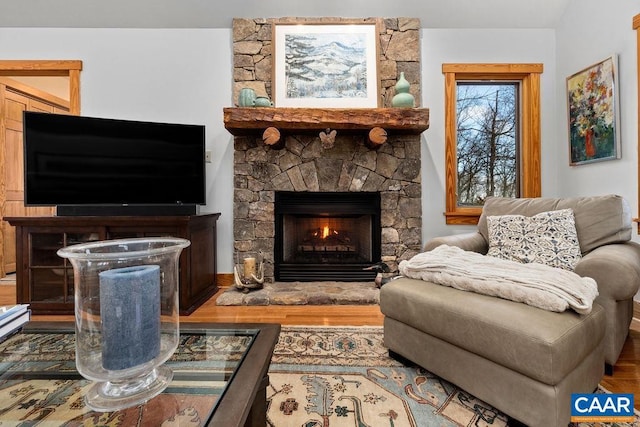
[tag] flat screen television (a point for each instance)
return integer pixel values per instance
(97, 166)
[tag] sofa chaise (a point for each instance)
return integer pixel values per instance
(523, 360)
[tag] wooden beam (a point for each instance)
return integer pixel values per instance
(33, 67)
(272, 137)
(247, 120)
(377, 137)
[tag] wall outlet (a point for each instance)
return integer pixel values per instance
(207, 156)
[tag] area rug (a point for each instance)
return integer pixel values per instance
(343, 376)
(304, 293)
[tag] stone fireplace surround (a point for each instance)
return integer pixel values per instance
(305, 164)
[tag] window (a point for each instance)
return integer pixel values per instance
(492, 133)
(486, 141)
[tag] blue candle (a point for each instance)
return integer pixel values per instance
(130, 316)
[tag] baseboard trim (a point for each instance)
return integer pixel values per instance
(636, 310)
(224, 280)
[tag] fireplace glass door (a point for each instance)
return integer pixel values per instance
(326, 236)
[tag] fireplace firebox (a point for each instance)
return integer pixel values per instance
(326, 236)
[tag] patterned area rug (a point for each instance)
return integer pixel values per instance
(304, 293)
(343, 376)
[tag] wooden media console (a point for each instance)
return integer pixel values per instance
(45, 281)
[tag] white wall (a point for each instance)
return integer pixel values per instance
(185, 75)
(590, 31)
(170, 75)
(606, 28)
(482, 46)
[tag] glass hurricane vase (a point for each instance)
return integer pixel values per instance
(126, 317)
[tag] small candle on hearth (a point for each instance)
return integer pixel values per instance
(249, 267)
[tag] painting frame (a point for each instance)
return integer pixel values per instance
(593, 113)
(336, 64)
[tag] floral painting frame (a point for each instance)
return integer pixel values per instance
(326, 64)
(593, 113)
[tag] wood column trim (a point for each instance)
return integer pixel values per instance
(636, 26)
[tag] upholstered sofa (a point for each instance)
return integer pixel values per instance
(523, 360)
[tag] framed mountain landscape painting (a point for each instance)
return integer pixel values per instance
(326, 65)
(593, 113)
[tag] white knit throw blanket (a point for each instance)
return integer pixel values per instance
(535, 284)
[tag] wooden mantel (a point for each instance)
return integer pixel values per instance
(376, 121)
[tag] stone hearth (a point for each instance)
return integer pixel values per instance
(307, 293)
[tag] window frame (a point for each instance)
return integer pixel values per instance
(528, 76)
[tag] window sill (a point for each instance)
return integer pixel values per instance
(470, 217)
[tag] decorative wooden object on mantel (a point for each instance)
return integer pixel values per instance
(377, 122)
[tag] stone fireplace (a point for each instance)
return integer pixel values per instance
(381, 184)
(392, 172)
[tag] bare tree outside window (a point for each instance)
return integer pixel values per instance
(492, 135)
(487, 141)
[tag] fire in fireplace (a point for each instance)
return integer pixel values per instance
(326, 236)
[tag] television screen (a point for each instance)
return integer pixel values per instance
(74, 160)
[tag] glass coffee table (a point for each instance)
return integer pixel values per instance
(219, 379)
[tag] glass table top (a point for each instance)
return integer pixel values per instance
(39, 381)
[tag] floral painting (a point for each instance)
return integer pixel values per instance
(325, 65)
(593, 113)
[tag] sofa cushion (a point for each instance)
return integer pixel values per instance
(600, 220)
(540, 344)
(548, 238)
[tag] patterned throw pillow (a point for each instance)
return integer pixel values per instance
(547, 238)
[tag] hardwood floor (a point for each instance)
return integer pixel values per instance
(345, 315)
(625, 378)
(626, 373)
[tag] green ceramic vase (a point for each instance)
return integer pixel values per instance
(247, 97)
(403, 98)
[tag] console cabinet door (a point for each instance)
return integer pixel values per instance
(46, 279)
